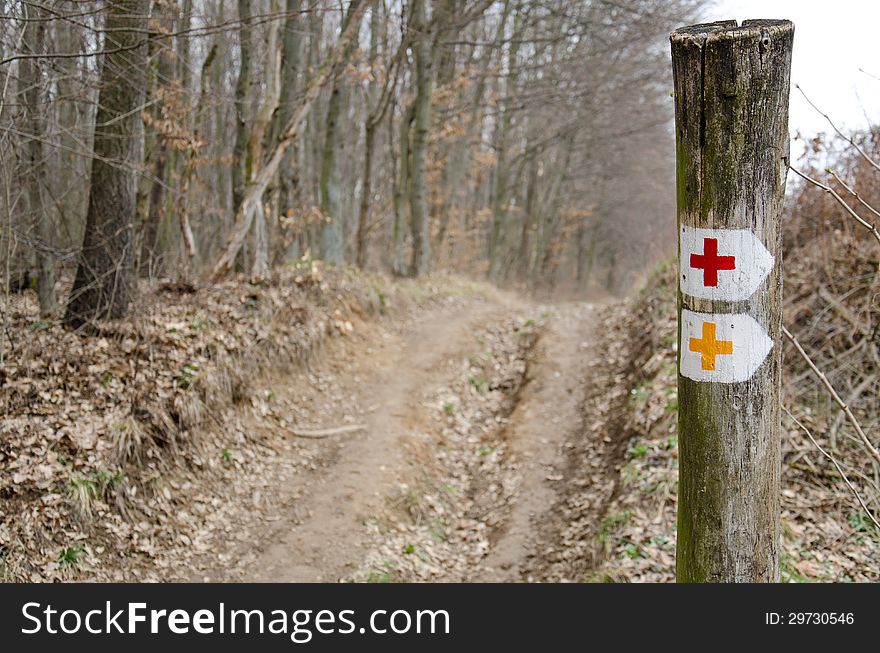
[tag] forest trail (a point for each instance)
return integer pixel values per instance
(548, 410)
(337, 520)
(331, 541)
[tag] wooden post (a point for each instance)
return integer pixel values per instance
(731, 117)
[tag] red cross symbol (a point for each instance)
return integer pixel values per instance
(710, 262)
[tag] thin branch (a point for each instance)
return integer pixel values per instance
(849, 140)
(862, 70)
(150, 34)
(852, 192)
(818, 184)
(75, 55)
(837, 465)
(836, 397)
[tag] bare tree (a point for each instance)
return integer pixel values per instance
(103, 284)
(31, 80)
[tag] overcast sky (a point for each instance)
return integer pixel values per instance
(833, 39)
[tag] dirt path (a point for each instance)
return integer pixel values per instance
(419, 493)
(549, 410)
(324, 538)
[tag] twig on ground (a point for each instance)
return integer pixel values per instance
(323, 433)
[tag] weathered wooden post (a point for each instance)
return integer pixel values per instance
(731, 118)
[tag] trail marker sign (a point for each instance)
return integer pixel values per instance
(721, 347)
(722, 264)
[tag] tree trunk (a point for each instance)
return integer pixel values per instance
(400, 193)
(262, 123)
(103, 284)
(366, 192)
(183, 48)
(500, 195)
(182, 159)
(550, 210)
(455, 169)
(31, 79)
(72, 168)
(611, 274)
(370, 126)
(333, 231)
(242, 88)
(150, 236)
(164, 78)
(313, 136)
(528, 216)
(291, 46)
(190, 160)
(421, 255)
(588, 241)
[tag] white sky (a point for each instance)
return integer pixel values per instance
(833, 39)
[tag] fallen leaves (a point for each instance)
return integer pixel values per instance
(100, 425)
(464, 482)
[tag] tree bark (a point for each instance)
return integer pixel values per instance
(731, 112)
(242, 87)
(190, 160)
(31, 79)
(401, 192)
(424, 63)
(331, 205)
(310, 150)
(103, 283)
(458, 159)
(500, 195)
(370, 125)
(333, 231)
(528, 218)
(261, 126)
(588, 241)
(291, 44)
(183, 48)
(550, 210)
(164, 78)
(291, 63)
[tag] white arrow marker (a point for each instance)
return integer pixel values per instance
(721, 347)
(725, 264)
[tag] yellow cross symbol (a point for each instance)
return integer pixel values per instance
(708, 347)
